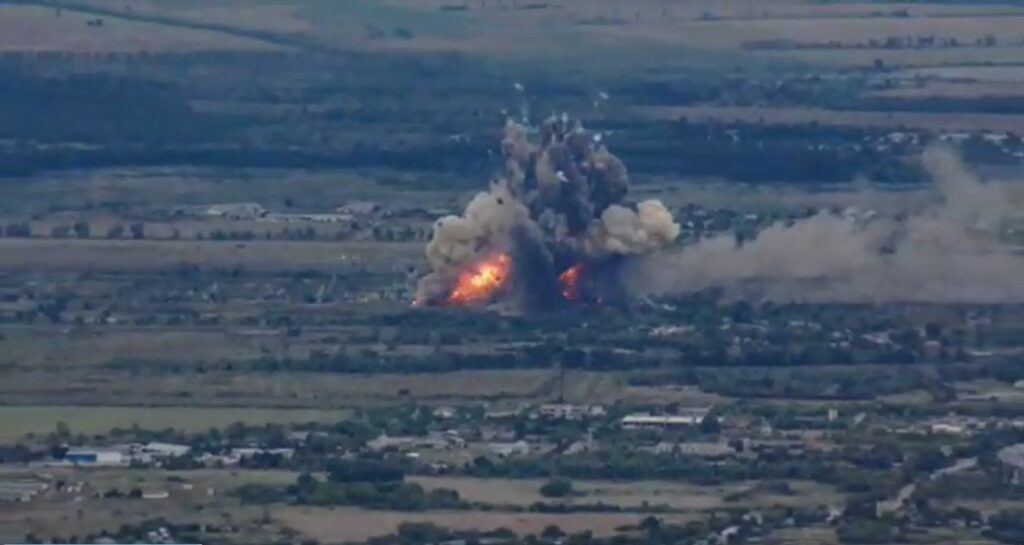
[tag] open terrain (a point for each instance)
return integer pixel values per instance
(214, 215)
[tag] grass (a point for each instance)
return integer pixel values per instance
(798, 115)
(28, 28)
(63, 255)
(268, 392)
(635, 494)
(345, 525)
(18, 421)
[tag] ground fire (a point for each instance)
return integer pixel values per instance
(552, 228)
(570, 281)
(482, 281)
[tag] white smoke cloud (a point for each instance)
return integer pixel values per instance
(948, 253)
(624, 231)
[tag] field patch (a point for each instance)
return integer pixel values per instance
(18, 421)
(636, 494)
(344, 524)
(794, 116)
(30, 28)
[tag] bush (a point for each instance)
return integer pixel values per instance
(867, 532)
(556, 488)
(363, 471)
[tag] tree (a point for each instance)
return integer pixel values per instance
(60, 231)
(552, 532)
(867, 532)
(556, 488)
(363, 471)
(82, 229)
(138, 230)
(709, 425)
(305, 482)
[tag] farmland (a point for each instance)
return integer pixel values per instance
(793, 116)
(216, 218)
(23, 420)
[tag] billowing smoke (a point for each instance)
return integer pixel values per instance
(558, 204)
(950, 252)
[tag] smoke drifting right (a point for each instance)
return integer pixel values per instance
(555, 228)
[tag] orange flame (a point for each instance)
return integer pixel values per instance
(570, 280)
(482, 281)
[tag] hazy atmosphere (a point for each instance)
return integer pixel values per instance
(512, 272)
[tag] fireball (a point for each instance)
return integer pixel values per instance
(480, 282)
(570, 281)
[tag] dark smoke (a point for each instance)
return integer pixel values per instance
(559, 202)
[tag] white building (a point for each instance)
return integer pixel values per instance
(565, 411)
(506, 450)
(248, 452)
(700, 450)
(236, 211)
(95, 457)
(687, 417)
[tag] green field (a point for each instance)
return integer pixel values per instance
(18, 421)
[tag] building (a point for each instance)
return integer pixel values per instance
(684, 417)
(1012, 458)
(432, 441)
(445, 413)
(94, 457)
(359, 208)
(506, 450)
(700, 450)
(308, 218)
(165, 450)
(236, 211)
(249, 452)
(564, 411)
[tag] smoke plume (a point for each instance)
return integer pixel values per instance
(950, 252)
(558, 203)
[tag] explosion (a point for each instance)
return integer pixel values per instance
(570, 281)
(558, 205)
(481, 281)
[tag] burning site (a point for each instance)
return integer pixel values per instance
(554, 228)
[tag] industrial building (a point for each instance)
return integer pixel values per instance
(95, 457)
(685, 417)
